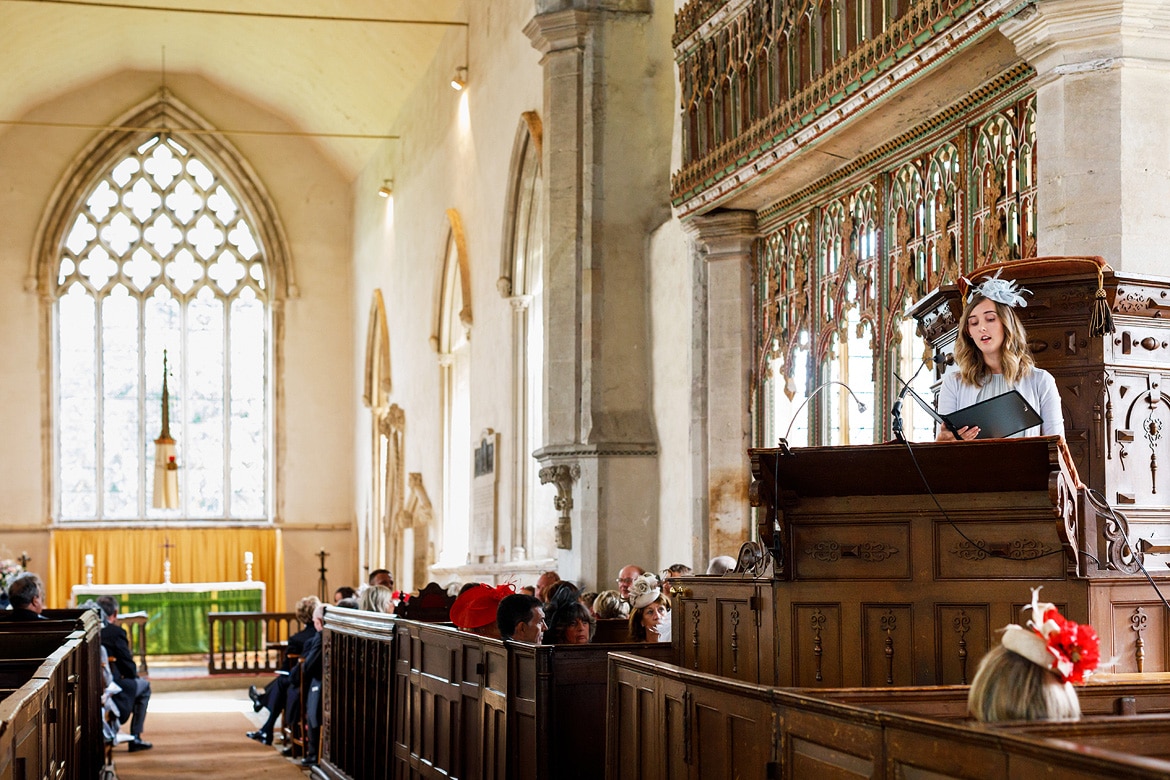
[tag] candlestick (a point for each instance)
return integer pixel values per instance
(89, 569)
(247, 557)
(89, 560)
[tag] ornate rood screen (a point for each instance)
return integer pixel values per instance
(842, 257)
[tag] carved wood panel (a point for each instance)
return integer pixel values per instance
(887, 644)
(818, 635)
(962, 636)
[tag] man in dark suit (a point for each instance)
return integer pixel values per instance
(135, 690)
(26, 594)
(274, 694)
(308, 673)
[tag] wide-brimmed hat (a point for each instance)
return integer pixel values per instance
(477, 606)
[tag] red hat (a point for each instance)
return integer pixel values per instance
(476, 606)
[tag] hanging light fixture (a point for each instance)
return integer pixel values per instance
(166, 470)
(387, 188)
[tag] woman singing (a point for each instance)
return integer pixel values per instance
(993, 358)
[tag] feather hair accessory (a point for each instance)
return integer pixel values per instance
(1067, 649)
(1005, 291)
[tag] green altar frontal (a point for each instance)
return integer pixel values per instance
(177, 613)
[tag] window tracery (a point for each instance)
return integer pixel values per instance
(159, 252)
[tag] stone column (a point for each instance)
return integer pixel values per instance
(1104, 175)
(607, 121)
(726, 239)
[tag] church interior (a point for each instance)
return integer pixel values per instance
(472, 290)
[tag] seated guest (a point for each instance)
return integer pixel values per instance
(475, 609)
(1029, 675)
(626, 578)
(609, 605)
(649, 622)
(308, 673)
(557, 591)
(587, 597)
(378, 599)
(135, 690)
(26, 596)
(274, 693)
(350, 603)
(569, 623)
(528, 590)
(344, 592)
(382, 577)
(543, 583)
(721, 564)
(676, 570)
(520, 617)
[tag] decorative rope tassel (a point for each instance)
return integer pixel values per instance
(1102, 320)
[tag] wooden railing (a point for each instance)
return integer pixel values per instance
(50, 682)
(248, 642)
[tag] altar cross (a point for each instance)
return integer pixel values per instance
(24, 560)
(167, 547)
(323, 584)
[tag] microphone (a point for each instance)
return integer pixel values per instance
(896, 409)
(784, 450)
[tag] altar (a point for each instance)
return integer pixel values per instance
(178, 612)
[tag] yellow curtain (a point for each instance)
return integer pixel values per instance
(136, 555)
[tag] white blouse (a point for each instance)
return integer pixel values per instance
(1038, 389)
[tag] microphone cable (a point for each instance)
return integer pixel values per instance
(980, 546)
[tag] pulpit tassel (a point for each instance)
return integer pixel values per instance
(1102, 320)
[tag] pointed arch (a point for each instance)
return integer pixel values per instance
(163, 114)
(376, 387)
(454, 285)
(161, 242)
(521, 206)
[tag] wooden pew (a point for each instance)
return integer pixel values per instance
(50, 724)
(1104, 695)
(458, 704)
(658, 712)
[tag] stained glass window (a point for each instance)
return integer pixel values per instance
(161, 255)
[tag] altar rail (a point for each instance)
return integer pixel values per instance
(248, 642)
(656, 711)
(50, 713)
(407, 699)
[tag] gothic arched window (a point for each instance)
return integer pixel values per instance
(155, 247)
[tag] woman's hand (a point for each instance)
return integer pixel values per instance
(967, 433)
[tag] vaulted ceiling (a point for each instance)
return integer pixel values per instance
(307, 60)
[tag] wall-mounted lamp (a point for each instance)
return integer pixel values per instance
(387, 188)
(459, 80)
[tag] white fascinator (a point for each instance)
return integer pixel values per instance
(645, 591)
(1005, 291)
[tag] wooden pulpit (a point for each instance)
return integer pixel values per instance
(895, 565)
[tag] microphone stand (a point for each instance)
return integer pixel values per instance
(783, 444)
(896, 410)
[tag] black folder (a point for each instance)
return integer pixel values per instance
(997, 417)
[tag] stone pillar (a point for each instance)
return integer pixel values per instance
(1104, 176)
(607, 121)
(726, 239)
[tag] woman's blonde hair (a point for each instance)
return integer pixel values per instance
(637, 630)
(1008, 686)
(378, 598)
(304, 609)
(1015, 357)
